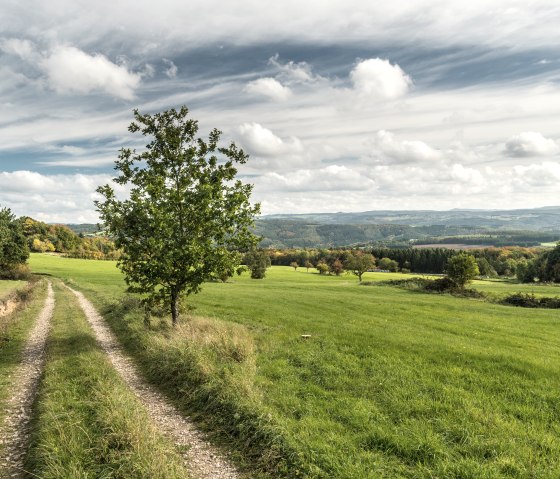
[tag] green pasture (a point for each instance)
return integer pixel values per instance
(390, 383)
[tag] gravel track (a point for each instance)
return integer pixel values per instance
(202, 459)
(15, 430)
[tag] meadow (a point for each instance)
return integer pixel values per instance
(388, 383)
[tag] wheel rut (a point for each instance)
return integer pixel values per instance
(15, 430)
(202, 459)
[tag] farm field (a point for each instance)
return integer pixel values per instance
(390, 383)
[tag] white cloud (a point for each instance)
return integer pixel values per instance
(378, 78)
(387, 149)
(261, 141)
(71, 70)
(268, 87)
(52, 198)
(171, 70)
(530, 143)
(292, 72)
(24, 49)
(333, 178)
(538, 175)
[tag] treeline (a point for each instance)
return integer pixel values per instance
(544, 267)
(491, 261)
(497, 239)
(43, 237)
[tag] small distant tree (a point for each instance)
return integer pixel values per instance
(308, 264)
(337, 267)
(294, 265)
(14, 251)
(258, 262)
(388, 264)
(186, 216)
(322, 267)
(462, 268)
(359, 262)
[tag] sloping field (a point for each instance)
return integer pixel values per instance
(390, 383)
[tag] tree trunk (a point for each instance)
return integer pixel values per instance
(174, 308)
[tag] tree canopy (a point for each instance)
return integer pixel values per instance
(462, 268)
(186, 217)
(13, 244)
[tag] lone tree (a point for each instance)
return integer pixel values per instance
(359, 262)
(186, 217)
(258, 262)
(462, 268)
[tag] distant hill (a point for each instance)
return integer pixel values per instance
(522, 227)
(535, 219)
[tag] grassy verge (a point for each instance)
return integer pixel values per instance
(14, 329)
(207, 367)
(87, 423)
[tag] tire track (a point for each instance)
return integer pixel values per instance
(16, 427)
(202, 459)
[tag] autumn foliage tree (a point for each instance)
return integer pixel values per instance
(186, 217)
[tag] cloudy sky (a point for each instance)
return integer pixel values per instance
(347, 105)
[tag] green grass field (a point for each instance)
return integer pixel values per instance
(391, 383)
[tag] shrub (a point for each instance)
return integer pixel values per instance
(526, 300)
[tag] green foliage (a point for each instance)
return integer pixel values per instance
(388, 264)
(258, 262)
(322, 267)
(295, 265)
(186, 216)
(13, 245)
(461, 269)
(336, 267)
(358, 262)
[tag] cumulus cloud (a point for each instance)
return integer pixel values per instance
(22, 48)
(269, 88)
(378, 78)
(388, 149)
(261, 141)
(530, 143)
(292, 72)
(334, 178)
(538, 175)
(71, 70)
(171, 69)
(52, 198)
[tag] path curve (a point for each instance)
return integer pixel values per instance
(202, 459)
(15, 430)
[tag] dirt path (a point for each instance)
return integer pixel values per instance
(15, 430)
(202, 459)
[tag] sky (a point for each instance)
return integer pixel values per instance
(347, 105)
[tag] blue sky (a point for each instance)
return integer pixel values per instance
(342, 105)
